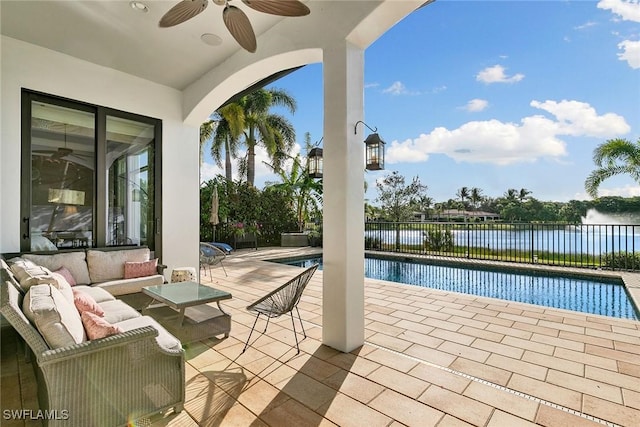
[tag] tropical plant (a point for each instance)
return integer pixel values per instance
(273, 131)
(304, 192)
(614, 157)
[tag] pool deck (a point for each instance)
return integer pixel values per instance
(430, 358)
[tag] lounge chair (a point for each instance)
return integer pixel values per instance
(282, 301)
(210, 256)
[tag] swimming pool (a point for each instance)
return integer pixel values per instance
(585, 294)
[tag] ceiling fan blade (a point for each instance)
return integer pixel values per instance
(279, 7)
(183, 11)
(240, 28)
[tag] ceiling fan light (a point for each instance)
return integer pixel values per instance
(139, 6)
(211, 39)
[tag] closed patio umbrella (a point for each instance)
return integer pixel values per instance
(215, 205)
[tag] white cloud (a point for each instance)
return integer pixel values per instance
(398, 88)
(626, 191)
(631, 52)
(263, 171)
(585, 25)
(369, 85)
(476, 105)
(209, 171)
(628, 10)
(496, 74)
(575, 118)
(500, 143)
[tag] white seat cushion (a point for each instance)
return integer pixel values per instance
(97, 293)
(164, 338)
(117, 311)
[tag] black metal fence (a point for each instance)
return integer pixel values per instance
(610, 246)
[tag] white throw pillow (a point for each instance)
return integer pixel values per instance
(57, 320)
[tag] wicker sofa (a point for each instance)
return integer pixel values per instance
(136, 372)
(102, 267)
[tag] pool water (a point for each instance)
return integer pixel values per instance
(587, 295)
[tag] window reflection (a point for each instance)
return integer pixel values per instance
(130, 174)
(62, 163)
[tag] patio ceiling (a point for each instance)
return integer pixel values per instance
(114, 35)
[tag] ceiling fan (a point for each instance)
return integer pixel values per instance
(234, 18)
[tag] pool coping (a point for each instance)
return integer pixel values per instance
(631, 281)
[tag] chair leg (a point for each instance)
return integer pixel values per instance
(295, 334)
(301, 324)
(223, 269)
(252, 328)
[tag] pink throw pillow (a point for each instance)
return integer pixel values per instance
(64, 272)
(140, 269)
(85, 302)
(96, 327)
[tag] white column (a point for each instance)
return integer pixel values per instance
(343, 195)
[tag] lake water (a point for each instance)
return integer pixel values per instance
(587, 239)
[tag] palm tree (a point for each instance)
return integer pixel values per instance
(523, 194)
(225, 129)
(463, 194)
(476, 197)
(273, 131)
(511, 194)
(613, 157)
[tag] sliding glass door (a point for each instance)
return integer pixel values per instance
(90, 176)
(131, 195)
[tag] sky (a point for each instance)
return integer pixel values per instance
(493, 95)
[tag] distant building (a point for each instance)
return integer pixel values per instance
(457, 215)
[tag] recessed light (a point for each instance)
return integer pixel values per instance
(139, 6)
(211, 39)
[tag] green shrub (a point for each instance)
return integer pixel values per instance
(440, 240)
(622, 260)
(372, 243)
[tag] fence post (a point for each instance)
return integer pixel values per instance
(532, 245)
(468, 249)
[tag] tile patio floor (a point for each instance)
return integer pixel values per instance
(431, 358)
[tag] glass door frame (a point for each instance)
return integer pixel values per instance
(100, 203)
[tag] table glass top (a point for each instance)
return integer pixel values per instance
(187, 292)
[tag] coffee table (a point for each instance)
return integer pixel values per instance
(182, 308)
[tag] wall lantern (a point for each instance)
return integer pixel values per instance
(374, 149)
(314, 163)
